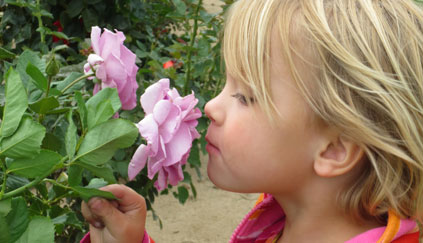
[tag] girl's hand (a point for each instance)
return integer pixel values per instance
(116, 221)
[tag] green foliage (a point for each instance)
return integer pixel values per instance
(59, 143)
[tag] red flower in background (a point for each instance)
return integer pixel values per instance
(168, 64)
(59, 29)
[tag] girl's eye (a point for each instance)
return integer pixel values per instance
(242, 98)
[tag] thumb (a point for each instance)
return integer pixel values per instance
(106, 212)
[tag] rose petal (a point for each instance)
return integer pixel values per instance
(161, 182)
(149, 130)
(153, 94)
(178, 146)
(95, 39)
(109, 44)
(161, 111)
(138, 161)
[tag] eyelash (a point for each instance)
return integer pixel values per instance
(243, 99)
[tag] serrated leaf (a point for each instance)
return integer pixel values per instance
(16, 102)
(87, 193)
(40, 229)
(101, 142)
(25, 142)
(45, 105)
(18, 218)
(99, 171)
(37, 166)
(37, 77)
(71, 137)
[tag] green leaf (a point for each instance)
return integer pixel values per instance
(25, 58)
(71, 137)
(194, 155)
(25, 142)
(99, 114)
(97, 183)
(60, 35)
(40, 229)
(99, 171)
(104, 94)
(5, 54)
(82, 110)
(5, 206)
(75, 175)
(52, 142)
(101, 142)
(87, 193)
(183, 194)
(74, 8)
(44, 105)
(18, 218)
(37, 77)
(37, 166)
(16, 102)
(4, 230)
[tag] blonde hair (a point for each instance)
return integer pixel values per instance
(367, 80)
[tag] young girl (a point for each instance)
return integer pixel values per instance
(322, 111)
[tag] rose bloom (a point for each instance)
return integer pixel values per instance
(169, 128)
(114, 65)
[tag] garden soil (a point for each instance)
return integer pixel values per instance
(210, 217)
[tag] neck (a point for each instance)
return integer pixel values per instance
(315, 217)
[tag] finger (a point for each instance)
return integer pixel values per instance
(104, 213)
(90, 217)
(129, 200)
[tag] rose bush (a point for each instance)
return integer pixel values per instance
(169, 128)
(59, 141)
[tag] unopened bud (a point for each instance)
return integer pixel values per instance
(52, 67)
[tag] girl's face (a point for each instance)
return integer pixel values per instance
(246, 153)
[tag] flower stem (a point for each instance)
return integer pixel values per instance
(188, 82)
(3, 187)
(76, 81)
(48, 85)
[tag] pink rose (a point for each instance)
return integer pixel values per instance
(169, 128)
(114, 65)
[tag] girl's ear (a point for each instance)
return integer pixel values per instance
(337, 157)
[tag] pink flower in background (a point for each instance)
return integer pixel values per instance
(114, 65)
(169, 128)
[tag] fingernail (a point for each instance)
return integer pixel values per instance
(98, 224)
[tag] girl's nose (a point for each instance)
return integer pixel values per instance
(214, 111)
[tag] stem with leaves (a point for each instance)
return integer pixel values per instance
(76, 81)
(34, 182)
(187, 84)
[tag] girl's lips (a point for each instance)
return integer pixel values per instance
(211, 148)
